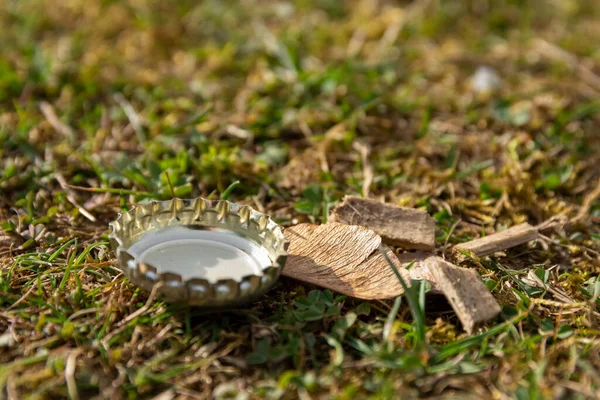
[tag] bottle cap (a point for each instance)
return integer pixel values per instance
(207, 253)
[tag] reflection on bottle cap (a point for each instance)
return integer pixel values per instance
(212, 254)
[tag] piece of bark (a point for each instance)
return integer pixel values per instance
(398, 226)
(344, 258)
(465, 291)
(419, 271)
(511, 237)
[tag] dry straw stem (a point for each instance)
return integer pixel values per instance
(587, 203)
(555, 52)
(48, 111)
(399, 226)
(465, 291)
(343, 258)
(511, 237)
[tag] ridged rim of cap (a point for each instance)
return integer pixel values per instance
(130, 226)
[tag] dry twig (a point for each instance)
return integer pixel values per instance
(511, 237)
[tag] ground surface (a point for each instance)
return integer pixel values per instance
(302, 103)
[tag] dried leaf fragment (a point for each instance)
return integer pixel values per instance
(511, 237)
(465, 291)
(343, 258)
(399, 226)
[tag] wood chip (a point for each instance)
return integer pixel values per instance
(347, 259)
(399, 226)
(343, 258)
(419, 271)
(511, 237)
(465, 291)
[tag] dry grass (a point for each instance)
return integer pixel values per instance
(302, 103)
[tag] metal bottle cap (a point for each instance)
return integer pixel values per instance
(209, 253)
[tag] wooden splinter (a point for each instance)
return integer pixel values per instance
(467, 294)
(399, 226)
(511, 237)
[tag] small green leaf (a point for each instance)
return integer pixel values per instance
(313, 314)
(261, 353)
(327, 297)
(183, 190)
(338, 357)
(256, 358)
(333, 310)
(343, 324)
(564, 332)
(363, 308)
(304, 207)
(314, 296)
(547, 325)
(491, 284)
(543, 274)
(313, 193)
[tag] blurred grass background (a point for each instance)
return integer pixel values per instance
(484, 113)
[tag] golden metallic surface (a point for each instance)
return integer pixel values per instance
(200, 213)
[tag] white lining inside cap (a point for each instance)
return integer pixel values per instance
(201, 254)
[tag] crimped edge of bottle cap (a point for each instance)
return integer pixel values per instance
(220, 214)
